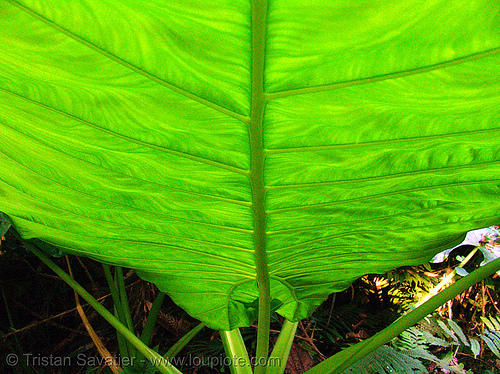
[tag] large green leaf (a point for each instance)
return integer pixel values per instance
(211, 144)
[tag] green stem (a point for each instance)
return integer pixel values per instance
(236, 352)
(448, 278)
(124, 306)
(149, 326)
(281, 351)
(111, 283)
(122, 342)
(257, 155)
(182, 342)
(161, 364)
(123, 298)
(118, 311)
(342, 360)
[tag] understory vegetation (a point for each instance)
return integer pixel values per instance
(41, 326)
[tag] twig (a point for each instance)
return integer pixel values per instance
(108, 359)
(483, 305)
(277, 332)
(31, 311)
(310, 341)
(48, 319)
(493, 302)
(94, 286)
(331, 309)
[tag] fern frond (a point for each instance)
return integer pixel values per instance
(448, 332)
(491, 335)
(387, 360)
(459, 332)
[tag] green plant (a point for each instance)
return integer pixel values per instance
(491, 335)
(404, 286)
(387, 360)
(247, 157)
(411, 352)
(415, 347)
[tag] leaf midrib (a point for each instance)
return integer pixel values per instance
(257, 156)
(255, 121)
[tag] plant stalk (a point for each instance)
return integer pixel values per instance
(342, 360)
(281, 351)
(448, 278)
(149, 326)
(257, 156)
(236, 352)
(123, 297)
(164, 366)
(118, 311)
(103, 351)
(182, 342)
(124, 306)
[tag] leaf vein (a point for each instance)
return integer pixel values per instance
(381, 177)
(448, 185)
(320, 148)
(136, 69)
(136, 141)
(128, 206)
(303, 244)
(139, 259)
(300, 229)
(241, 249)
(384, 77)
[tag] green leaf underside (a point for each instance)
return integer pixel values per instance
(131, 132)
